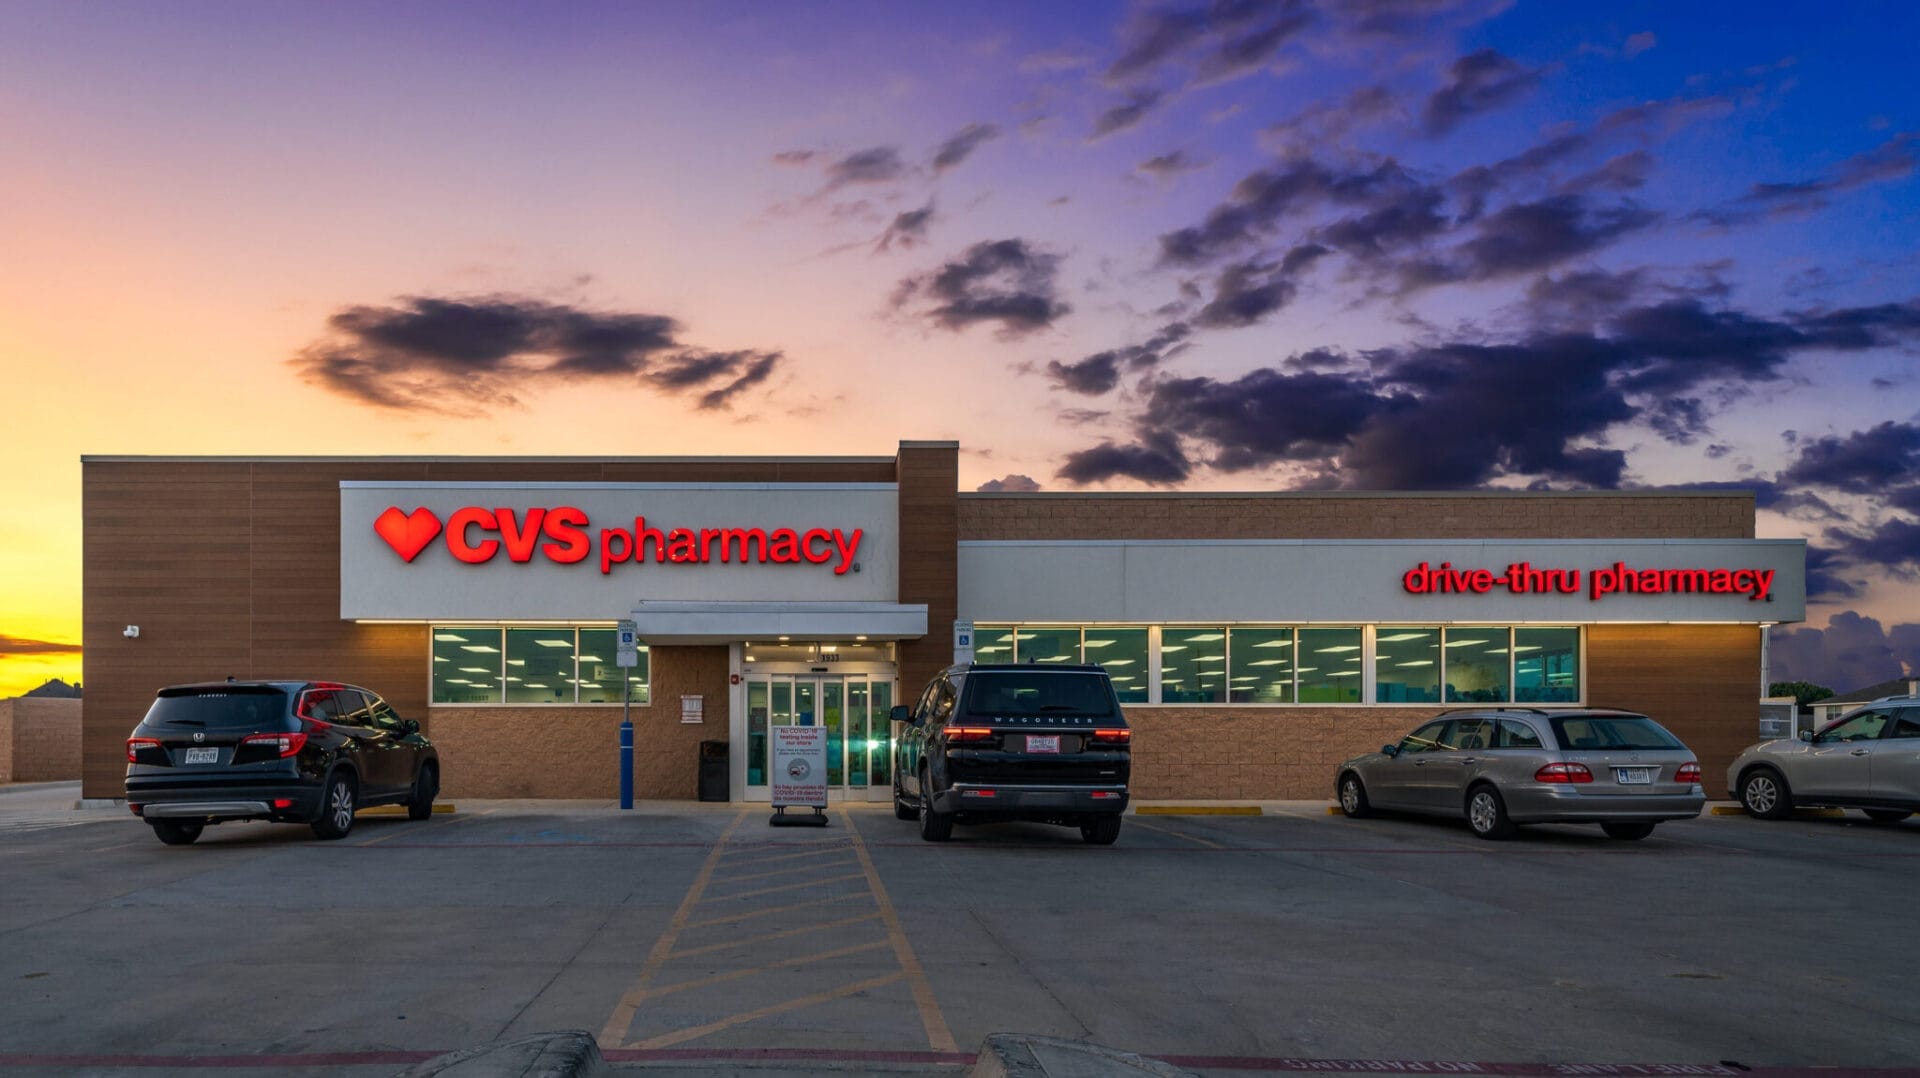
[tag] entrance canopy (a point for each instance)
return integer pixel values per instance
(674, 622)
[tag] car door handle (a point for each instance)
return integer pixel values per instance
(1419, 763)
(1470, 760)
(1858, 752)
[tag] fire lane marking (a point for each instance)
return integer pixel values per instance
(784, 887)
(786, 871)
(733, 975)
(680, 1035)
(615, 1031)
(771, 936)
(732, 918)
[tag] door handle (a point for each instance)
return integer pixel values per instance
(1471, 760)
(1419, 763)
(1858, 752)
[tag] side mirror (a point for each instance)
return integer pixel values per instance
(1806, 735)
(1390, 750)
(901, 713)
(411, 726)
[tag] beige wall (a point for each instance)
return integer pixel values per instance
(39, 740)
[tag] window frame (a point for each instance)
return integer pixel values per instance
(642, 695)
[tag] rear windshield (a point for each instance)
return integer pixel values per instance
(1612, 732)
(1020, 693)
(250, 706)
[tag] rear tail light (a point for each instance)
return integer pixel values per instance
(283, 744)
(1112, 737)
(1563, 773)
(283, 802)
(1105, 795)
(968, 733)
(980, 793)
(135, 744)
(1689, 772)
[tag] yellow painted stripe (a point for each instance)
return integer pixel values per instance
(784, 872)
(754, 941)
(939, 1037)
(1334, 810)
(616, 1028)
(681, 1035)
(734, 918)
(785, 887)
(1726, 810)
(1196, 810)
(1180, 834)
(439, 807)
(786, 963)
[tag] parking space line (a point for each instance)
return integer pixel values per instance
(615, 1030)
(402, 829)
(680, 1035)
(733, 975)
(784, 887)
(784, 872)
(939, 1037)
(734, 918)
(771, 936)
(1177, 834)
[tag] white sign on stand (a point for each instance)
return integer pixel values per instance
(799, 777)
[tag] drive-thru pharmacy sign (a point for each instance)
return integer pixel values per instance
(1524, 578)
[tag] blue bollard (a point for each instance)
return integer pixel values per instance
(626, 765)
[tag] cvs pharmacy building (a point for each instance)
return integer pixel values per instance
(1256, 638)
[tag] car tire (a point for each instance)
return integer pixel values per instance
(426, 787)
(1886, 815)
(336, 808)
(1765, 795)
(1353, 796)
(177, 832)
(1627, 831)
(1103, 831)
(1487, 814)
(934, 826)
(901, 809)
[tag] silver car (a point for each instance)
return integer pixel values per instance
(1867, 759)
(1501, 767)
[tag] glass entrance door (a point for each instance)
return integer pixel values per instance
(852, 707)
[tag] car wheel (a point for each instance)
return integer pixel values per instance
(1886, 815)
(1102, 831)
(426, 787)
(1627, 830)
(1487, 813)
(336, 808)
(1763, 793)
(934, 826)
(901, 809)
(1353, 796)
(177, 832)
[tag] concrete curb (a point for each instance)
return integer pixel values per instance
(29, 787)
(567, 1053)
(1016, 1055)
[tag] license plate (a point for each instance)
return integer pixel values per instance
(202, 756)
(1043, 742)
(1634, 776)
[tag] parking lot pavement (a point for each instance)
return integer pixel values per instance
(692, 937)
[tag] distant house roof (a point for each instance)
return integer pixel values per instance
(1900, 686)
(54, 688)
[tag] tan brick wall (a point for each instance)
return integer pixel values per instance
(1519, 515)
(573, 752)
(39, 740)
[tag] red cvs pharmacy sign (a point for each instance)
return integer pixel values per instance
(563, 534)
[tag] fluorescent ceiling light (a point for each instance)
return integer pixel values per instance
(1275, 644)
(1397, 637)
(1205, 638)
(1266, 662)
(450, 638)
(475, 670)
(536, 684)
(1337, 649)
(1096, 643)
(1174, 647)
(482, 648)
(554, 643)
(1463, 643)
(1418, 662)
(591, 659)
(1118, 662)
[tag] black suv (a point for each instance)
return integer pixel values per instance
(290, 751)
(1005, 742)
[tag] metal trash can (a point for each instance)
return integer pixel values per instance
(713, 771)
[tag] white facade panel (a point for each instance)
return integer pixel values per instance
(1360, 581)
(815, 542)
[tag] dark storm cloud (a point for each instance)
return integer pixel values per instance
(1009, 282)
(1892, 544)
(877, 164)
(1245, 293)
(1169, 164)
(1892, 160)
(1265, 416)
(1012, 483)
(1261, 201)
(754, 368)
(1156, 459)
(1531, 236)
(1851, 653)
(1478, 82)
(11, 646)
(1865, 462)
(961, 146)
(1327, 123)
(443, 355)
(1120, 117)
(1100, 372)
(908, 229)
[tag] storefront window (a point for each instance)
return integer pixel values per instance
(1477, 665)
(1329, 666)
(1261, 666)
(993, 643)
(540, 666)
(466, 665)
(1546, 665)
(600, 678)
(1406, 665)
(1046, 644)
(1123, 654)
(1193, 666)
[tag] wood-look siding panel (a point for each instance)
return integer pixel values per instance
(1700, 681)
(929, 480)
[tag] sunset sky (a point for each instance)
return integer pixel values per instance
(1373, 244)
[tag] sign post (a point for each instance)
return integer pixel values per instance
(799, 777)
(626, 657)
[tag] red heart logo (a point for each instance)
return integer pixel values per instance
(407, 533)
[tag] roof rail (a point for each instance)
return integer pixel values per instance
(1489, 707)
